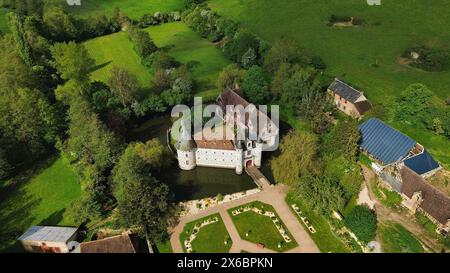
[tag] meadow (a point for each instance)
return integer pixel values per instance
(132, 8)
(365, 56)
(3, 20)
(182, 43)
(37, 197)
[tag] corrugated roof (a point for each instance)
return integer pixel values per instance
(384, 142)
(344, 90)
(422, 163)
(48, 234)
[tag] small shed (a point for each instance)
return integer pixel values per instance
(48, 239)
(348, 99)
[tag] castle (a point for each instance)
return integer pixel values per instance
(226, 151)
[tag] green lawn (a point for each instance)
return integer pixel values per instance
(3, 20)
(40, 200)
(396, 239)
(164, 247)
(260, 228)
(351, 52)
(185, 46)
(324, 237)
(133, 8)
(116, 49)
(210, 238)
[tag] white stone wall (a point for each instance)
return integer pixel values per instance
(216, 158)
(186, 160)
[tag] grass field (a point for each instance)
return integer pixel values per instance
(185, 46)
(396, 239)
(210, 238)
(39, 200)
(324, 238)
(351, 53)
(132, 8)
(260, 228)
(3, 20)
(116, 49)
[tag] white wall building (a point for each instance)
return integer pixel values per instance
(208, 148)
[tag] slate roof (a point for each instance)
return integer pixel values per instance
(48, 234)
(383, 142)
(435, 203)
(345, 91)
(422, 163)
(363, 106)
(116, 244)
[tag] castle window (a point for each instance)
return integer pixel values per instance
(187, 162)
(187, 155)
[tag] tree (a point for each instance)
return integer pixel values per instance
(142, 200)
(160, 81)
(254, 85)
(281, 75)
(124, 84)
(283, 51)
(302, 81)
(16, 23)
(72, 61)
(412, 102)
(240, 45)
(143, 44)
(323, 194)
(363, 222)
(317, 108)
(59, 25)
(343, 140)
(27, 116)
(298, 155)
(348, 173)
(230, 77)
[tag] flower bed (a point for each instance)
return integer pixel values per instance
(303, 218)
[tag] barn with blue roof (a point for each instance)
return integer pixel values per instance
(389, 146)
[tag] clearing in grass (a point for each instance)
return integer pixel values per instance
(39, 200)
(4, 28)
(261, 229)
(212, 237)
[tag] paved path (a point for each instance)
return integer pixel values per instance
(274, 196)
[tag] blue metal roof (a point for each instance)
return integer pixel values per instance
(422, 163)
(384, 142)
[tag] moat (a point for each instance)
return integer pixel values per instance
(198, 183)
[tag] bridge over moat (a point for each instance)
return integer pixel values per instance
(258, 177)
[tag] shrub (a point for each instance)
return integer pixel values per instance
(363, 222)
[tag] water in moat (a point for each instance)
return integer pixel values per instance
(198, 183)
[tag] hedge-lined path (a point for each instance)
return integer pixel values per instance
(274, 196)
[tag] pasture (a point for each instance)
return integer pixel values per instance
(366, 56)
(180, 41)
(37, 197)
(4, 20)
(132, 8)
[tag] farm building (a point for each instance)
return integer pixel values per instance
(402, 163)
(124, 243)
(348, 99)
(46, 239)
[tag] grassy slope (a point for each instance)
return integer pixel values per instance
(189, 46)
(324, 237)
(186, 46)
(349, 52)
(396, 239)
(210, 239)
(133, 8)
(3, 20)
(261, 228)
(116, 49)
(40, 201)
